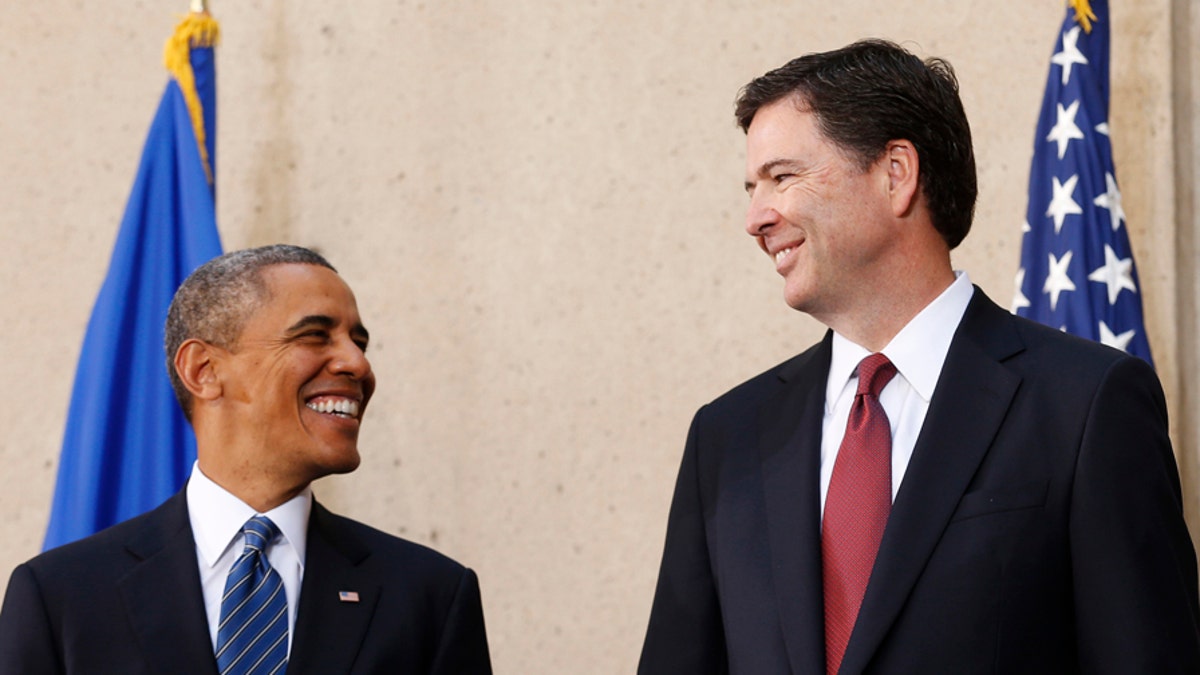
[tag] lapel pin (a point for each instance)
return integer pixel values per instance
(348, 596)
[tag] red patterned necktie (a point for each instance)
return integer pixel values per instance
(856, 507)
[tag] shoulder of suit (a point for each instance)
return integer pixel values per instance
(1034, 349)
(383, 546)
(1050, 344)
(107, 551)
(750, 392)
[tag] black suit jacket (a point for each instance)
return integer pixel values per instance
(1038, 528)
(128, 601)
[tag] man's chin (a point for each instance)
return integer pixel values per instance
(796, 301)
(348, 465)
(339, 461)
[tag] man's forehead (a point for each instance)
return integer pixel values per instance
(302, 289)
(775, 137)
(291, 273)
(785, 112)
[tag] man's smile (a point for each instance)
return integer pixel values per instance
(784, 256)
(339, 406)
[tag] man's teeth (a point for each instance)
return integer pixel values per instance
(342, 406)
(779, 256)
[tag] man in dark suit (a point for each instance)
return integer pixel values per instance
(1022, 512)
(267, 357)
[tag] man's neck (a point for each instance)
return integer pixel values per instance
(258, 491)
(881, 313)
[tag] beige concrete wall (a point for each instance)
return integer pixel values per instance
(539, 206)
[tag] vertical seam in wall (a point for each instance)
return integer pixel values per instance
(1186, 295)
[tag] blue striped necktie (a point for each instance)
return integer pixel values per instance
(252, 637)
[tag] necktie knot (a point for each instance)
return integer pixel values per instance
(259, 531)
(874, 372)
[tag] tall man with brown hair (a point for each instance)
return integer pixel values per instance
(937, 486)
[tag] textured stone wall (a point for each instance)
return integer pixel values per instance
(539, 206)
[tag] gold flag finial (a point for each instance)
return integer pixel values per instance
(200, 6)
(1084, 16)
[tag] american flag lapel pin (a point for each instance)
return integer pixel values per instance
(348, 596)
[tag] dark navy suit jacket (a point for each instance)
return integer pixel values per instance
(1038, 529)
(128, 600)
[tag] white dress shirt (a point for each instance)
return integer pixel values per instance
(918, 351)
(217, 519)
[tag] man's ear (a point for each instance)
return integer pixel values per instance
(196, 367)
(904, 176)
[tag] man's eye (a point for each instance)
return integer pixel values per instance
(779, 178)
(361, 345)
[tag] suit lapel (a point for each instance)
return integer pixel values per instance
(330, 627)
(972, 398)
(162, 595)
(790, 447)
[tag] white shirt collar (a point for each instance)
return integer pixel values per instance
(918, 350)
(217, 517)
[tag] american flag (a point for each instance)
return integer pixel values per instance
(1077, 271)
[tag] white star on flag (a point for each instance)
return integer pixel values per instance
(1118, 341)
(1019, 299)
(1111, 200)
(1070, 54)
(1065, 129)
(1062, 203)
(1058, 280)
(1116, 272)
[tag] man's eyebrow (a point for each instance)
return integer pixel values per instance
(360, 331)
(765, 169)
(321, 321)
(310, 321)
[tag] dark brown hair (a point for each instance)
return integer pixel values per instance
(873, 92)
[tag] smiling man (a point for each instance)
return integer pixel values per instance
(242, 571)
(937, 486)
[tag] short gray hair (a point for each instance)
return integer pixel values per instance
(214, 302)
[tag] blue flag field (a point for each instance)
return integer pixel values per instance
(127, 447)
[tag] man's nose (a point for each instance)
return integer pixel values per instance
(761, 214)
(350, 359)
